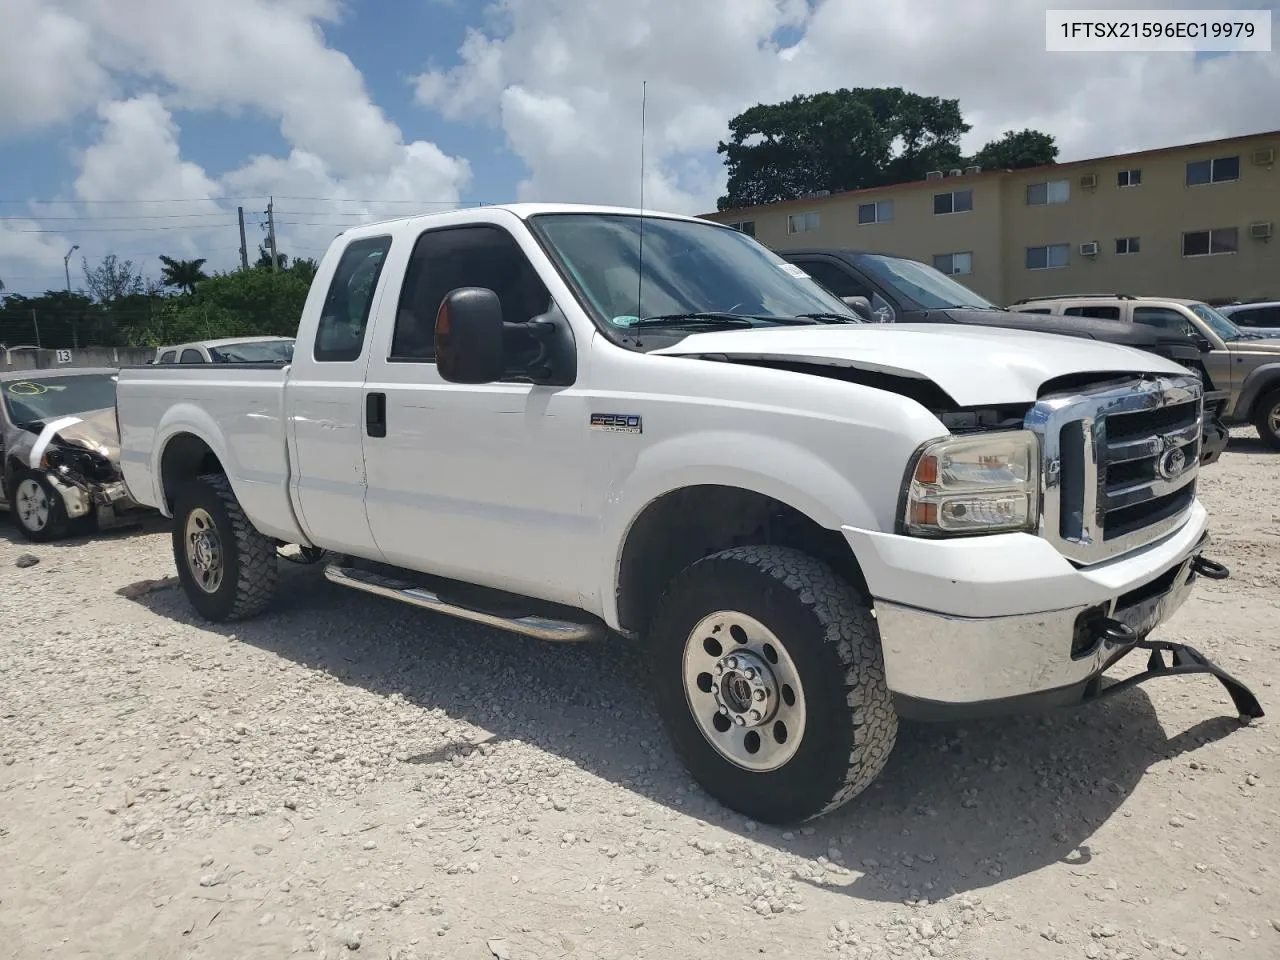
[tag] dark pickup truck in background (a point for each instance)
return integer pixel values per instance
(889, 289)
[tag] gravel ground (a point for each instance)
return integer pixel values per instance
(346, 774)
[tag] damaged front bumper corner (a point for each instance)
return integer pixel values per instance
(108, 503)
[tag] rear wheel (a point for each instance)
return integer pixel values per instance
(38, 510)
(227, 568)
(769, 678)
(1267, 419)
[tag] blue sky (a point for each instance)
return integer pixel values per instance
(376, 109)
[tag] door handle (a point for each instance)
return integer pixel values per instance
(375, 414)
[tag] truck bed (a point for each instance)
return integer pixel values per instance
(240, 407)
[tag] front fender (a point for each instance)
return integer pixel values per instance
(777, 468)
(1259, 381)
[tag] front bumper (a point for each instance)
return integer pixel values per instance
(1214, 436)
(109, 503)
(1000, 624)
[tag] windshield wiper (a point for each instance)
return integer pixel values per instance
(830, 318)
(713, 317)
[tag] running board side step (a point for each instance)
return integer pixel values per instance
(541, 628)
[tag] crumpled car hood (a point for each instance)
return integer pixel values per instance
(974, 365)
(95, 430)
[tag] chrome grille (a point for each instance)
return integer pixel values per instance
(1120, 464)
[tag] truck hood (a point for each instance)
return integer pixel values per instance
(975, 366)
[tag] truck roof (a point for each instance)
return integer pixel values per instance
(521, 210)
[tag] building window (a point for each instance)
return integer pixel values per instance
(1053, 191)
(957, 201)
(879, 212)
(803, 222)
(1202, 243)
(744, 226)
(1126, 245)
(1218, 170)
(953, 264)
(1048, 257)
(1129, 178)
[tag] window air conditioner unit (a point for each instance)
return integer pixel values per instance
(955, 172)
(1089, 249)
(1089, 181)
(933, 175)
(974, 169)
(1261, 230)
(1265, 156)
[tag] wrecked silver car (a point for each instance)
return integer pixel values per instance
(61, 449)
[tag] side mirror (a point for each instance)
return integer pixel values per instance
(861, 306)
(469, 337)
(1202, 343)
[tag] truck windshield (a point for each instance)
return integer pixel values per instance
(930, 288)
(257, 351)
(45, 398)
(1218, 323)
(690, 267)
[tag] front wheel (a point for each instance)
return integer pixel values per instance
(769, 677)
(227, 568)
(38, 509)
(1267, 419)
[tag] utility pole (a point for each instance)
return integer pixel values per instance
(244, 249)
(36, 323)
(271, 234)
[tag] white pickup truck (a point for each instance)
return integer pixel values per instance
(581, 422)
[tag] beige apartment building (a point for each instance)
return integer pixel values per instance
(1197, 220)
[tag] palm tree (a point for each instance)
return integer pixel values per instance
(183, 274)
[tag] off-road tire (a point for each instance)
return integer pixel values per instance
(58, 524)
(831, 636)
(1262, 414)
(250, 567)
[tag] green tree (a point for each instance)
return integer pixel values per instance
(842, 140)
(54, 320)
(183, 274)
(112, 278)
(1016, 150)
(264, 258)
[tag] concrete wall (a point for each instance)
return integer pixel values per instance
(85, 357)
(1002, 225)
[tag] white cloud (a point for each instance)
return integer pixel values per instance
(47, 68)
(563, 78)
(268, 56)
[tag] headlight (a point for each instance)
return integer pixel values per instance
(980, 484)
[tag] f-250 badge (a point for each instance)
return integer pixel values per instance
(617, 422)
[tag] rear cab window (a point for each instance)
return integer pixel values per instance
(344, 317)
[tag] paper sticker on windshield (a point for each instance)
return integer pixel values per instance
(792, 269)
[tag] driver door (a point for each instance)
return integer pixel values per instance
(476, 482)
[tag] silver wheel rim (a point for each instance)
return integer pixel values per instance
(204, 550)
(33, 505)
(744, 691)
(1273, 420)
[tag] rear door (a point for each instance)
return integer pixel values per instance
(324, 400)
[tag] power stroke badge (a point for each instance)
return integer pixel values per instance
(617, 422)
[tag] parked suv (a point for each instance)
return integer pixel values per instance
(1262, 316)
(1246, 365)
